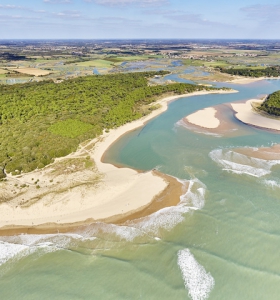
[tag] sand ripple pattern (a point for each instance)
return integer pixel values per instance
(198, 282)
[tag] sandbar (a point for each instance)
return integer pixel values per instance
(266, 153)
(247, 80)
(204, 118)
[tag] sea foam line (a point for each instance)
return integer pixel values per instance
(193, 198)
(196, 279)
(14, 248)
(241, 164)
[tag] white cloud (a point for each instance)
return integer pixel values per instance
(8, 6)
(263, 12)
(68, 14)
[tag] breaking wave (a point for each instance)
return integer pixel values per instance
(104, 236)
(14, 248)
(193, 198)
(196, 279)
(272, 184)
(241, 164)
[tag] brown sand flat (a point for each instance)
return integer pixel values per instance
(266, 153)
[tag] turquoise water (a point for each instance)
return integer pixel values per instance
(221, 242)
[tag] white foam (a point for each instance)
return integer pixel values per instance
(196, 279)
(196, 129)
(9, 251)
(195, 194)
(16, 247)
(272, 183)
(193, 198)
(241, 164)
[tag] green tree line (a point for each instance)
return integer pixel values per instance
(272, 104)
(36, 117)
(266, 72)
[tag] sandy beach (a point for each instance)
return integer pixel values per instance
(246, 80)
(246, 114)
(65, 193)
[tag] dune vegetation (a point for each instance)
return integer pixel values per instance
(253, 72)
(40, 121)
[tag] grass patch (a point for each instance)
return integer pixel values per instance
(70, 128)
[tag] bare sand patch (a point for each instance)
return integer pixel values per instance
(204, 118)
(246, 80)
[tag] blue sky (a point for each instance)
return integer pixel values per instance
(98, 19)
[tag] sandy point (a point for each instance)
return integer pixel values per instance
(248, 115)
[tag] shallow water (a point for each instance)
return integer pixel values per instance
(221, 242)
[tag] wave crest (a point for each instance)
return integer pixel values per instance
(241, 164)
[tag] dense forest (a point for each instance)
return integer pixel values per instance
(43, 120)
(264, 72)
(272, 104)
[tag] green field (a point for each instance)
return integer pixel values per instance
(98, 63)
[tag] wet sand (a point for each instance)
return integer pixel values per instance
(228, 126)
(266, 153)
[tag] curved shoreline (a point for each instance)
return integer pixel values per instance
(246, 114)
(118, 194)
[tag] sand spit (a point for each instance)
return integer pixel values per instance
(246, 114)
(246, 80)
(66, 192)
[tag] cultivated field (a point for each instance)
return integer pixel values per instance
(31, 71)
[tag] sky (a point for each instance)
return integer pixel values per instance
(139, 19)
